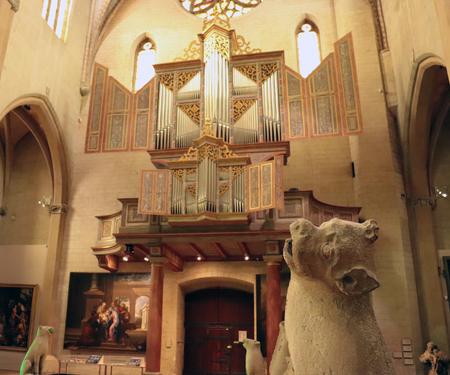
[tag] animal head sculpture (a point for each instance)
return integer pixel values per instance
(249, 344)
(45, 330)
(337, 252)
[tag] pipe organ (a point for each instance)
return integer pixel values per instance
(242, 95)
(202, 108)
(209, 178)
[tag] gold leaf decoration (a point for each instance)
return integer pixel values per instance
(250, 71)
(243, 47)
(191, 188)
(192, 110)
(216, 42)
(168, 80)
(191, 52)
(223, 188)
(267, 70)
(178, 173)
(240, 106)
(185, 77)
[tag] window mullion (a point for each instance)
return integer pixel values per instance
(55, 23)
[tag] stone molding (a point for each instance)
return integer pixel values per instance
(15, 5)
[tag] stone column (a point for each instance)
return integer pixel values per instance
(154, 333)
(273, 303)
(7, 10)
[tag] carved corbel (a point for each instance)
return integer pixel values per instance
(58, 208)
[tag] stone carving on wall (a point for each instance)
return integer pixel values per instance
(435, 360)
(330, 322)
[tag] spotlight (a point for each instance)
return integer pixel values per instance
(129, 249)
(441, 191)
(199, 258)
(147, 259)
(45, 201)
(247, 257)
(125, 258)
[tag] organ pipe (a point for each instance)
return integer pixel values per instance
(271, 109)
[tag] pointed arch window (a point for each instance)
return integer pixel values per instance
(308, 48)
(56, 13)
(145, 58)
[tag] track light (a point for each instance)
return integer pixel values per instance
(147, 259)
(247, 257)
(125, 258)
(199, 258)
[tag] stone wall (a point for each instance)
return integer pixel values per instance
(26, 222)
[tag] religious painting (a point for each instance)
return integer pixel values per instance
(261, 292)
(17, 303)
(107, 312)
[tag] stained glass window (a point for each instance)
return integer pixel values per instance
(308, 48)
(225, 8)
(145, 58)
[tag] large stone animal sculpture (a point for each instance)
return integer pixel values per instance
(280, 356)
(35, 357)
(329, 319)
(255, 364)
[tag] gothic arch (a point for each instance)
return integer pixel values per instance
(43, 113)
(214, 282)
(427, 93)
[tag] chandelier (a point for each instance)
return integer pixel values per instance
(224, 8)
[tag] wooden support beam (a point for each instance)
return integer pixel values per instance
(221, 250)
(198, 250)
(174, 261)
(244, 248)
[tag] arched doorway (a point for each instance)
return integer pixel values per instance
(214, 319)
(428, 95)
(34, 139)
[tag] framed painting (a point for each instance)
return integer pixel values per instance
(17, 310)
(107, 312)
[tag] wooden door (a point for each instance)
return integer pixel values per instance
(213, 319)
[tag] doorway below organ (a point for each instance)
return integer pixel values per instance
(214, 320)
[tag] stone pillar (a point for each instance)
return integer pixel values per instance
(154, 333)
(273, 303)
(7, 10)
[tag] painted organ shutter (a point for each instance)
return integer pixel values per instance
(297, 104)
(94, 129)
(142, 117)
(154, 192)
(324, 98)
(117, 117)
(261, 187)
(351, 116)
